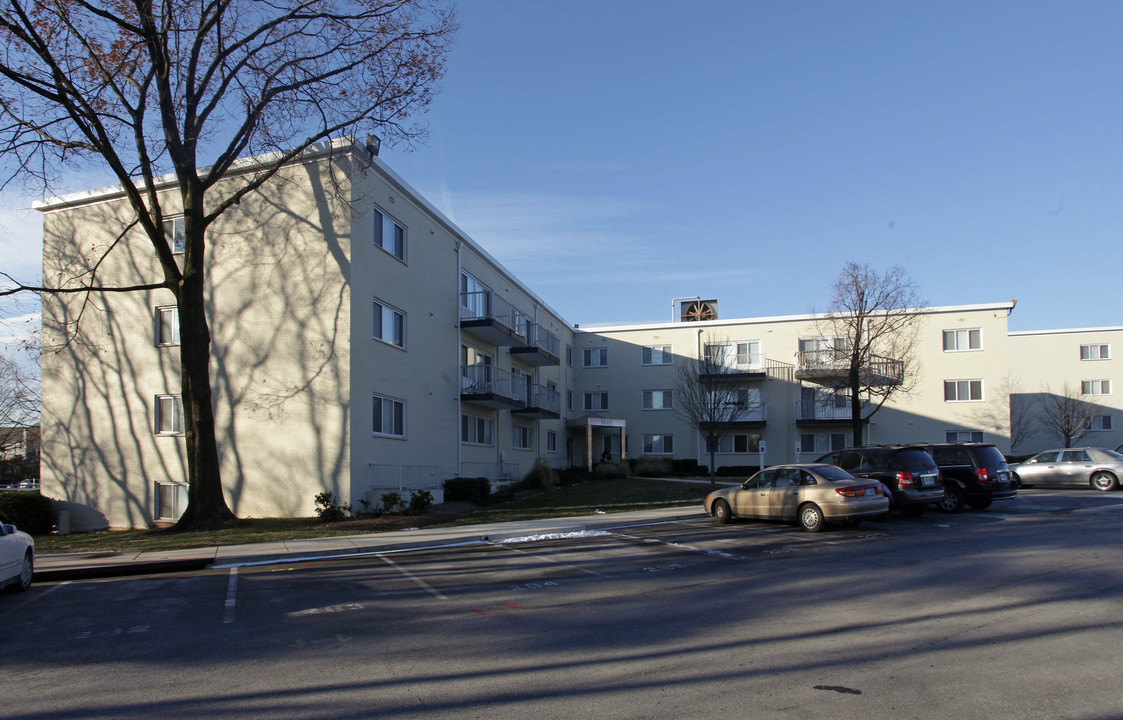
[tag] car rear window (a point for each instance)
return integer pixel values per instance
(989, 456)
(832, 473)
(917, 461)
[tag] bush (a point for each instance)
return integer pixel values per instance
(742, 471)
(392, 503)
(541, 476)
(473, 490)
(647, 466)
(606, 471)
(29, 511)
(419, 502)
(688, 466)
(328, 509)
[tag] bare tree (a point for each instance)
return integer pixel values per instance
(710, 393)
(1065, 415)
(872, 329)
(139, 88)
(1022, 420)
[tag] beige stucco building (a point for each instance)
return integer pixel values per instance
(363, 343)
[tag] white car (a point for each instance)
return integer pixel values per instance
(17, 558)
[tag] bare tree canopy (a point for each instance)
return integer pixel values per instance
(1065, 415)
(141, 88)
(873, 320)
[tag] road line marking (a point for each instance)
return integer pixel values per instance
(231, 596)
(550, 559)
(680, 546)
(430, 589)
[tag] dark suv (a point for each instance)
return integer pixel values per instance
(910, 474)
(975, 474)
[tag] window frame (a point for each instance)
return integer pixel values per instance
(647, 355)
(1101, 422)
(173, 311)
(397, 231)
(970, 383)
(378, 416)
(477, 422)
(522, 437)
(170, 225)
(1095, 388)
(378, 320)
(964, 436)
(664, 439)
(159, 412)
(1103, 351)
(586, 401)
(955, 337)
(666, 400)
(586, 356)
(551, 441)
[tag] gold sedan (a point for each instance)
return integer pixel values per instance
(812, 495)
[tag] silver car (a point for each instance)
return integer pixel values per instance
(810, 494)
(1098, 467)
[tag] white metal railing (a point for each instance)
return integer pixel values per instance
(490, 380)
(539, 337)
(822, 410)
(485, 305)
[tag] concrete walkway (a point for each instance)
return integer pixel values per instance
(71, 566)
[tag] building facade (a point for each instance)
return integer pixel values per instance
(362, 343)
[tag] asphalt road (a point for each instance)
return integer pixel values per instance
(1014, 612)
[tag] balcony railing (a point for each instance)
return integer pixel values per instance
(542, 402)
(493, 318)
(732, 364)
(492, 386)
(542, 346)
(835, 363)
(823, 410)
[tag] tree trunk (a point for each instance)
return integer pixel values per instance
(855, 406)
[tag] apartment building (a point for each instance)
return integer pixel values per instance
(361, 343)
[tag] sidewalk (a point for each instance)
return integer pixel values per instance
(73, 566)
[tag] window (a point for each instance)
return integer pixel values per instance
(169, 415)
(739, 355)
(962, 436)
(1100, 422)
(389, 325)
(735, 443)
(552, 441)
(807, 443)
(963, 340)
(522, 437)
(475, 430)
(838, 441)
(475, 298)
(659, 444)
(569, 355)
(595, 357)
(1095, 387)
(1095, 352)
(963, 390)
(596, 401)
(167, 326)
(569, 399)
(173, 231)
(657, 355)
(389, 235)
(657, 400)
(389, 417)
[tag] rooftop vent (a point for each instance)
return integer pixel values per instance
(698, 310)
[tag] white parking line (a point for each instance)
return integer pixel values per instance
(231, 596)
(550, 559)
(680, 546)
(421, 583)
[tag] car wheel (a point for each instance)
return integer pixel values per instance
(1104, 481)
(913, 510)
(979, 504)
(953, 499)
(722, 512)
(811, 518)
(1017, 480)
(26, 571)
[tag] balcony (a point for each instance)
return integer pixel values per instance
(832, 366)
(542, 347)
(753, 415)
(492, 319)
(823, 412)
(542, 402)
(746, 365)
(492, 387)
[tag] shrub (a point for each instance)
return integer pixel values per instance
(328, 509)
(741, 471)
(29, 511)
(473, 490)
(542, 475)
(392, 503)
(606, 471)
(419, 502)
(647, 466)
(688, 466)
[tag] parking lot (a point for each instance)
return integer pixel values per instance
(1012, 612)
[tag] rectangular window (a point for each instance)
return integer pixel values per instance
(963, 340)
(962, 436)
(167, 326)
(657, 400)
(1095, 352)
(522, 437)
(595, 357)
(1100, 422)
(569, 399)
(389, 325)
(569, 355)
(475, 430)
(596, 401)
(658, 444)
(807, 443)
(551, 441)
(173, 231)
(657, 355)
(1095, 387)
(389, 235)
(838, 441)
(389, 417)
(963, 390)
(169, 415)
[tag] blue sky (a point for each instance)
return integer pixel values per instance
(619, 153)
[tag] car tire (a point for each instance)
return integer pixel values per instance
(953, 500)
(913, 510)
(722, 513)
(23, 582)
(979, 504)
(1104, 481)
(811, 518)
(1016, 480)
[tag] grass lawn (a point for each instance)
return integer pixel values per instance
(605, 495)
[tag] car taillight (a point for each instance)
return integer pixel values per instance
(904, 478)
(981, 474)
(859, 491)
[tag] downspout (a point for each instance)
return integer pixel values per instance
(456, 369)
